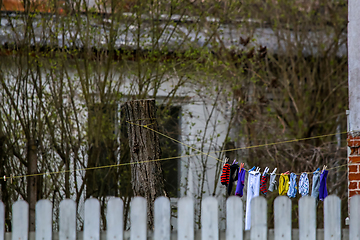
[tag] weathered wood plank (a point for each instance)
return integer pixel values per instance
(20, 220)
(115, 219)
(209, 219)
(234, 218)
(332, 218)
(186, 219)
(258, 228)
(43, 220)
(92, 219)
(162, 218)
(67, 221)
(138, 219)
(2, 221)
(282, 218)
(354, 228)
(307, 218)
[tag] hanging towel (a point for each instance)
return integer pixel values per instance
(234, 171)
(304, 184)
(315, 184)
(240, 183)
(292, 186)
(263, 182)
(283, 184)
(272, 181)
(323, 191)
(225, 174)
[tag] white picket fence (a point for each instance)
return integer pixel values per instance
(209, 220)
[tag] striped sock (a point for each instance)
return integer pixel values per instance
(225, 174)
(263, 181)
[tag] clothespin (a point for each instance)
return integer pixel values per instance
(233, 162)
(274, 172)
(11, 178)
(225, 160)
(252, 169)
(4, 178)
(287, 172)
(241, 167)
(317, 170)
(256, 171)
(265, 171)
(324, 168)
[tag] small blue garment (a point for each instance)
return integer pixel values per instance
(322, 189)
(293, 187)
(304, 184)
(240, 184)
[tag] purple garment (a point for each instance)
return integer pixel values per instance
(323, 191)
(240, 184)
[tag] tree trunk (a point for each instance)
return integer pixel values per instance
(32, 181)
(4, 191)
(147, 178)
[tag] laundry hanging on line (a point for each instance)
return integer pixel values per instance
(287, 182)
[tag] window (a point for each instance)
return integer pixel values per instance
(169, 123)
(103, 147)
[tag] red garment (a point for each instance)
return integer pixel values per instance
(263, 182)
(225, 175)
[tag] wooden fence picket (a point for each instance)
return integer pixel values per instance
(20, 220)
(138, 218)
(258, 228)
(209, 219)
(43, 220)
(92, 219)
(307, 218)
(67, 221)
(282, 218)
(234, 218)
(115, 219)
(332, 218)
(186, 219)
(2, 221)
(162, 218)
(354, 228)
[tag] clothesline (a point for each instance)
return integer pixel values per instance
(13, 176)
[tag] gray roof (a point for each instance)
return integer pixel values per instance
(180, 32)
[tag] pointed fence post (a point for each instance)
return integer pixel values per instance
(234, 218)
(332, 218)
(67, 225)
(115, 219)
(258, 228)
(307, 218)
(92, 219)
(186, 219)
(162, 218)
(282, 218)
(354, 228)
(43, 220)
(138, 219)
(209, 219)
(20, 220)
(2, 221)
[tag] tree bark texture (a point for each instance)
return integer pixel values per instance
(32, 181)
(146, 178)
